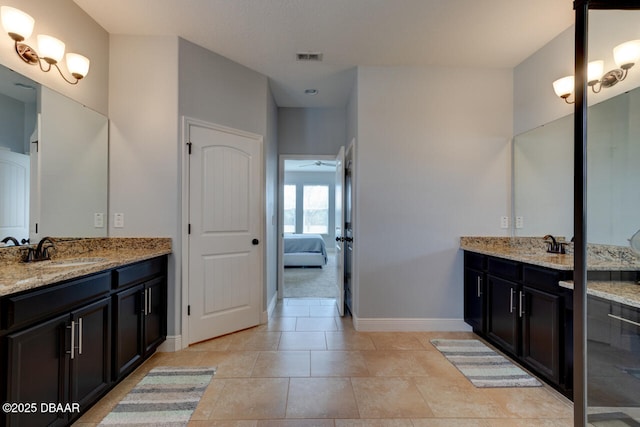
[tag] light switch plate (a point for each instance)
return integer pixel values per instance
(118, 220)
(98, 220)
(504, 222)
(519, 222)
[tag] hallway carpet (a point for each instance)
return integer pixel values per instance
(311, 282)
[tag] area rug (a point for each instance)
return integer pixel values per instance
(483, 366)
(166, 396)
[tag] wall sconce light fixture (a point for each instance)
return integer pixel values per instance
(625, 55)
(19, 26)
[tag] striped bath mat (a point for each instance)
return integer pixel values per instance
(483, 366)
(166, 396)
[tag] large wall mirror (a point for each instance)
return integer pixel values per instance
(543, 174)
(53, 163)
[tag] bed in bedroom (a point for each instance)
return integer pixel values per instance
(304, 250)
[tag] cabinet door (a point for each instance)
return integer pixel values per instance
(37, 371)
(91, 362)
(128, 336)
(155, 314)
(474, 291)
(541, 331)
(502, 313)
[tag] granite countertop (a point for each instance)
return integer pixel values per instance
(532, 250)
(623, 292)
(90, 256)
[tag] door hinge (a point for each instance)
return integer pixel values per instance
(188, 310)
(188, 228)
(189, 145)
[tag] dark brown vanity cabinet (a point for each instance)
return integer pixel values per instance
(59, 343)
(141, 306)
(474, 291)
(524, 315)
(62, 360)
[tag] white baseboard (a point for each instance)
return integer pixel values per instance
(270, 307)
(171, 344)
(409, 325)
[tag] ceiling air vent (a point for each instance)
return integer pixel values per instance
(309, 56)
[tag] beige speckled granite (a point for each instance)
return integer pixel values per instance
(623, 292)
(533, 250)
(17, 276)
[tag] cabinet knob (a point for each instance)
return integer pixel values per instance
(255, 242)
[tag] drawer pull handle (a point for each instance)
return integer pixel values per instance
(622, 319)
(80, 336)
(479, 286)
(149, 309)
(521, 303)
(73, 339)
(511, 301)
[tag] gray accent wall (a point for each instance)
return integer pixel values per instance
(314, 131)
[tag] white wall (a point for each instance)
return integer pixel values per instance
(65, 20)
(433, 164)
(535, 102)
(315, 131)
(144, 179)
(218, 90)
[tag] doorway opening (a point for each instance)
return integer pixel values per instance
(308, 255)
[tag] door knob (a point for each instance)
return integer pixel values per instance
(255, 241)
(339, 239)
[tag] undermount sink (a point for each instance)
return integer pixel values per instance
(74, 262)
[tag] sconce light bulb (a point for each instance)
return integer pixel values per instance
(627, 54)
(16, 23)
(564, 87)
(595, 69)
(77, 65)
(50, 48)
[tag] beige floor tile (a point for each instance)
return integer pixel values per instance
(389, 398)
(291, 311)
(229, 364)
(279, 324)
(397, 363)
(349, 340)
(223, 423)
(208, 400)
(450, 422)
(531, 402)
(282, 364)
(216, 344)
(255, 340)
(533, 423)
(301, 301)
(396, 341)
(374, 423)
(309, 324)
(303, 341)
(252, 399)
(338, 364)
(321, 398)
(323, 311)
(295, 423)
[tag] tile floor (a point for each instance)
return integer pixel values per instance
(309, 367)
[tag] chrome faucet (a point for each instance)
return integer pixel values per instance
(42, 252)
(11, 239)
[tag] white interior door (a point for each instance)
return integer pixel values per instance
(225, 213)
(339, 227)
(14, 195)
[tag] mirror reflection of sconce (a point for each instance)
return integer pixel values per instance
(19, 26)
(625, 55)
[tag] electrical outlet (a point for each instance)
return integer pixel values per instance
(504, 222)
(118, 220)
(98, 220)
(519, 222)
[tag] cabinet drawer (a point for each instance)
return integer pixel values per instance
(505, 268)
(22, 309)
(543, 278)
(475, 261)
(138, 272)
